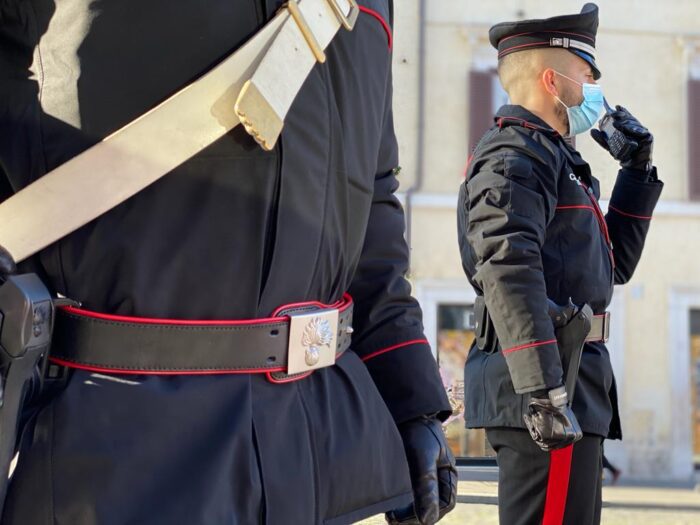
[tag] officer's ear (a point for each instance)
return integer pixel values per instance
(548, 81)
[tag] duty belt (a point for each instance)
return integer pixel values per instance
(296, 340)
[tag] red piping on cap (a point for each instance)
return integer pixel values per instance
(540, 32)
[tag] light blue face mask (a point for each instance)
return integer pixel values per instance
(584, 116)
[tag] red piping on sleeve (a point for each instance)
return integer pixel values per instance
(557, 485)
(379, 17)
(643, 217)
(395, 347)
(531, 345)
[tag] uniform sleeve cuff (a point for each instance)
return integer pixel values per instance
(534, 366)
(633, 197)
(407, 377)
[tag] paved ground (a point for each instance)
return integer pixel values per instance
(621, 506)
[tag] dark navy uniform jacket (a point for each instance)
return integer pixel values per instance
(530, 228)
(233, 233)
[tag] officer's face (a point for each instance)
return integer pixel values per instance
(570, 91)
(580, 73)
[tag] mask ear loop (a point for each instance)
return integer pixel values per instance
(555, 96)
(568, 78)
(560, 100)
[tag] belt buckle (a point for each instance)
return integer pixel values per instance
(313, 340)
(606, 327)
(347, 21)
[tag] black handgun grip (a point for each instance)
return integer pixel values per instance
(561, 314)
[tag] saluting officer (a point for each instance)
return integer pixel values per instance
(226, 247)
(531, 230)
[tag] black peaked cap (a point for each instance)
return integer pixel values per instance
(575, 33)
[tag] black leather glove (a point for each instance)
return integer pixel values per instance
(551, 422)
(7, 264)
(639, 155)
(433, 473)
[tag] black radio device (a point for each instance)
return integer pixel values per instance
(619, 145)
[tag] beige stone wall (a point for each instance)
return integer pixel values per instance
(405, 76)
(644, 60)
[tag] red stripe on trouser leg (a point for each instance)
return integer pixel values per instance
(557, 486)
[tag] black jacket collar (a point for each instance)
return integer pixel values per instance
(512, 115)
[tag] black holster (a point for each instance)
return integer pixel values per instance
(571, 326)
(26, 324)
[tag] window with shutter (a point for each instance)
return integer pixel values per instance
(694, 138)
(485, 97)
(480, 105)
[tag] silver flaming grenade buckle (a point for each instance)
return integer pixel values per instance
(313, 340)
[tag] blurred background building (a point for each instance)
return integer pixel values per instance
(445, 93)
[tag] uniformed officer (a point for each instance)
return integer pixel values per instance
(531, 230)
(234, 233)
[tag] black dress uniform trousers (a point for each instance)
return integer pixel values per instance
(551, 488)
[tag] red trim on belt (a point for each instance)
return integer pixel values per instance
(155, 320)
(291, 379)
(644, 217)
(394, 347)
(557, 485)
(341, 305)
(105, 370)
(530, 345)
(379, 17)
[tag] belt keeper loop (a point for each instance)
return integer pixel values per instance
(303, 26)
(347, 21)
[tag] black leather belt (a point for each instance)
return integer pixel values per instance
(298, 339)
